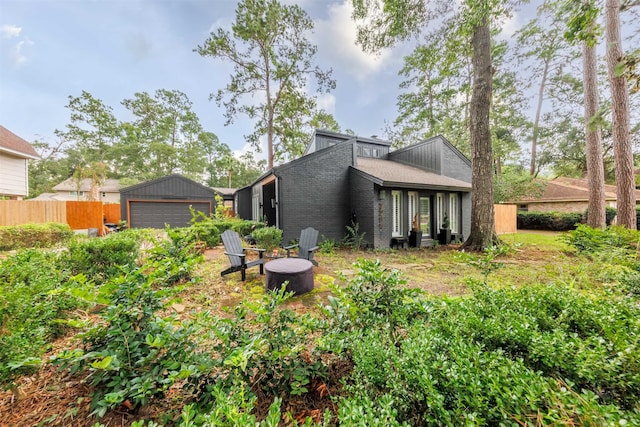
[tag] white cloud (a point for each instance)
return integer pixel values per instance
(509, 26)
(248, 148)
(336, 38)
(327, 102)
(10, 31)
(17, 56)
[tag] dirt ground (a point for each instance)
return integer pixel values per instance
(52, 398)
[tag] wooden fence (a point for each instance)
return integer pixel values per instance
(84, 215)
(506, 220)
(79, 215)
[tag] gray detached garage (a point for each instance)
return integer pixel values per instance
(152, 204)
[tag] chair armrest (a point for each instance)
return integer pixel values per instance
(254, 249)
(240, 255)
(313, 248)
(291, 246)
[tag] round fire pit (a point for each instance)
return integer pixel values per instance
(298, 272)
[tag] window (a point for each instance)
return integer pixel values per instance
(454, 213)
(440, 211)
(412, 209)
(425, 216)
(523, 208)
(76, 193)
(396, 213)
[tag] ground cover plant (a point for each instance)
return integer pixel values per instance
(531, 333)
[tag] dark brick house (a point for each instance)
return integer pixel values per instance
(342, 178)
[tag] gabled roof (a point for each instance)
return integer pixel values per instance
(13, 144)
(393, 174)
(70, 184)
(174, 176)
(224, 191)
(563, 189)
(49, 196)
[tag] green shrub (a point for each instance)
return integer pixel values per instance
(327, 246)
(103, 258)
(263, 345)
(132, 355)
(171, 261)
(497, 357)
(32, 304)
(610, 213)
(354, 238)
(268, 238)
(590, 240)
(554, 221)
(33, 235)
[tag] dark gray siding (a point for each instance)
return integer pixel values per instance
(455, 166)
(426, 155)
(364, 201)
(321, 142)
(314, 192)
(243, 203)
(435, 155)
(169, 188)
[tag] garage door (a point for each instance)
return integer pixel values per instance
(156, 214)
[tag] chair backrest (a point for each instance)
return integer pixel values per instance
(308, 239)
(233, 245)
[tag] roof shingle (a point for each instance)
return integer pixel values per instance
(394, 173)
(12, 143)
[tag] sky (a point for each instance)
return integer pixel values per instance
(53, 49)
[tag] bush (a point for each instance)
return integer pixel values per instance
(497, 357)
(609, 214)
(32, 303)
(172, 260)
(554, 221)
(590, 240)
(103, 258)
(133, 354)
(265, 347)
(268, 238)
(33, 235)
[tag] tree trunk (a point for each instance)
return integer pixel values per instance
(536, 123)
(622, 149)
(482, 233)
(595, 168)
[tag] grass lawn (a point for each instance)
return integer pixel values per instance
(439, 270)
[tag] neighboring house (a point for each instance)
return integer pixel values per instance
(71, 189)
(15, 154)
(227, 195)
(344, 178)
(567, 195)
(166, 200)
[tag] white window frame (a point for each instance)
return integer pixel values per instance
(425, 220)
(396, 213)
(412, 208)
(440, 211)
(454, 213)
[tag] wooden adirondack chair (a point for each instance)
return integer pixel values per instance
(307, 245)
(238, 256)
